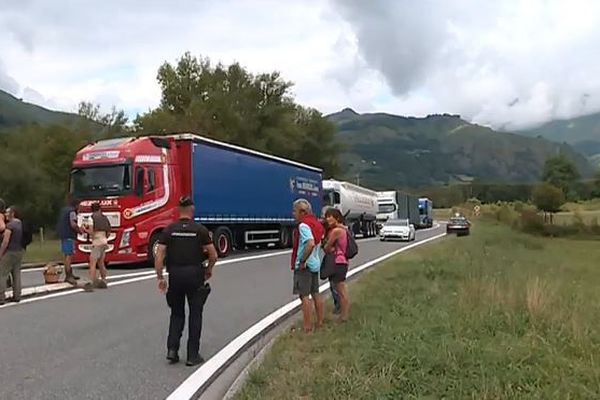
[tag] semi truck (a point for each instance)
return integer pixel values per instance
(425, 213)
(244, 197)
(356, 203)
(394, 204)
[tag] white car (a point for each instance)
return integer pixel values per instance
(397, 229)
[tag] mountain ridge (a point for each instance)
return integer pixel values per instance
(386, 150)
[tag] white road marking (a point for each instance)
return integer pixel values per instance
(141, 276)
(145, 275)
(202, 375)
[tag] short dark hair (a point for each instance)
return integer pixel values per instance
(336, 214)
(15, 211)
(185, 202)
(96, 207)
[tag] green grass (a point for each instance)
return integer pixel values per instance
(497, 315)
(43, 252)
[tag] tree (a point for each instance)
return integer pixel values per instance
(230, 104)
(561, 172)
(110, 125)
(548, 198)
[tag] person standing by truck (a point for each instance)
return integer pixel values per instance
(98, 227)
(184, 246)
(67, 230)
(11, 255)
(306, 262)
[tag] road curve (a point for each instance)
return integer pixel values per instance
(111, 344)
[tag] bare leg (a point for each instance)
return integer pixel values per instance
(102, 267)
(68, 268)
(344, 300)
(319, 309)
(93, 263)
(306, 313)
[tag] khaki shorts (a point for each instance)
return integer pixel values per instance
(98, 252)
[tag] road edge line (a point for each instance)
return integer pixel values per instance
(198, 381)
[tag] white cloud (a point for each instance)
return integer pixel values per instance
(477, 58)
(504, 63)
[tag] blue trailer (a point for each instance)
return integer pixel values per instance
(245, 197)
(425, 213)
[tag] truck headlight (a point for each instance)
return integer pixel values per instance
(126, 238)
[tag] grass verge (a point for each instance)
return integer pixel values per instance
(497, 315)
(47, 251)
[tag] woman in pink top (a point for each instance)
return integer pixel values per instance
(337, 241)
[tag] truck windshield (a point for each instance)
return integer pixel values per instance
(331, 198)
(387, 208)
(101, 181)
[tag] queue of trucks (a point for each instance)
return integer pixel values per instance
(242, 196)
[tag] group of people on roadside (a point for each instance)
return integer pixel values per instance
(12, 248)
(15, 236)
(97, 226)
(312, 239)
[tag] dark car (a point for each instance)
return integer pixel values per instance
(459, 225)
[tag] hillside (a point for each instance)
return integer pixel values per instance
(386, 151)
(15, 113)
(583, 133)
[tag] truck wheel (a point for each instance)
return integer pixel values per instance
(285, 238)
(222, 241)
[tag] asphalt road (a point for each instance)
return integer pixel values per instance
(111, 344)
(34, 276)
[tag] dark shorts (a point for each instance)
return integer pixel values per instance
(340, 273)
(67, 246)
(306, 282)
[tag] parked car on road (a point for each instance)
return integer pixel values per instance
(459, 225)
(397, 229)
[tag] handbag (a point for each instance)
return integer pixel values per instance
(327, 266)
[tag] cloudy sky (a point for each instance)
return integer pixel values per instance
(505, 63)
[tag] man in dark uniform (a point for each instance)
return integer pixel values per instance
(184, 246)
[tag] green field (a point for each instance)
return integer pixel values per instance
(43, 252)
(497, 315)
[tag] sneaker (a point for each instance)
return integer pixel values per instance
(100, 284)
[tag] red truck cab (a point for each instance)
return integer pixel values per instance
(137, 182)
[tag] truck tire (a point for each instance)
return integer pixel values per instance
(222, 241)
(285, 238)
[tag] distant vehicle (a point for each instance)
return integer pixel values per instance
(397, 229)
(425, 213)
(356, 203)
(397, 205)
(459, 225)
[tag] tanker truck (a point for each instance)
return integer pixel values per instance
(356, 203)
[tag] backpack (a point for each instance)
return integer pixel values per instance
(27, 237)
(351, 247)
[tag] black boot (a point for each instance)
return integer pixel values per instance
(172, 356)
